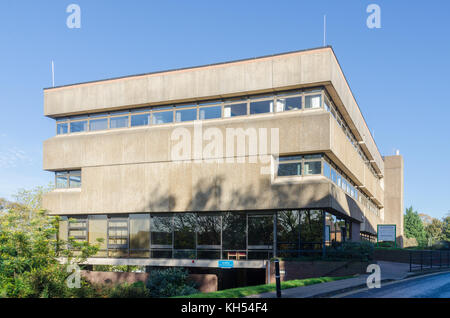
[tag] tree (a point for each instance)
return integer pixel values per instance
(414, 227)
(30, 251)
(434, 231)
(446, 228)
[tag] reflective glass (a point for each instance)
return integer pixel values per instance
(98, 124)
(185, 115)
(62, 128)
(235, 110)
(210, 112)
(118, 122)
(313, 101)
(78, 126)
(162, 118)
(140, 120)
(261, 107)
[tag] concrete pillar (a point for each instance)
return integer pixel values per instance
(393, 194)
(356, 236)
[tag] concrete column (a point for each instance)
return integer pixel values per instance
(393, 194)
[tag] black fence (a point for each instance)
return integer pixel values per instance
(426, 260)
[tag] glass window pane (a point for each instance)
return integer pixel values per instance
(118, 234)
(140, 120)
(235, 110)
(313, 167)
(139, 234)
(260, 232)
(333, 175)
(313, 101)
(63, 229)
(210, 112)
(185, 115)
(311, 229)
(184, 230)
(288, 230)
(98, 124)
(78, 126)
(286, 104)
(75, 181)
(234, 231)
(261, 107)
(118, 122)
(289, 169)
(208, 231)
(98, 227)
(162, 118)
(61, 181)
(62, 128)
(161, 231)
(326, 170)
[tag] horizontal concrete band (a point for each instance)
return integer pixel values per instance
(170, 262)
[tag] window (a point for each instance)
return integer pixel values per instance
(78, 229)
(118, 122)
(139, 235)
(326, 170)
(288, 232)
(185, 115)
(184, 225)
(261, 107)
(260, 236)
(140, 120)
(61, 180)
(313, 168)
(162, 117)
(234, 235)
(68, 179)
(118, 237)
(311, 230)
(209, 232)
(98, 124)
(289, 166)
(62, 128)
(333, 175)
(235, 110)
(78, 126)
(289, 103)
(161, 231)
(210, 112)
(98, 225)
(313, 101)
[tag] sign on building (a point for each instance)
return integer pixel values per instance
(387, 233)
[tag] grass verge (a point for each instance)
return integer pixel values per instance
(253, 290)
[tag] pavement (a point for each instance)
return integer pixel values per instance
(390, 272)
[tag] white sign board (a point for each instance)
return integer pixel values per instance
(386, 233)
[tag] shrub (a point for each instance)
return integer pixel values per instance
(170, 282)
(352, 250)
(135, 290)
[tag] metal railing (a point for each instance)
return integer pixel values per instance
(426, 260)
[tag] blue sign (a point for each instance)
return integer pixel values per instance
(226, 264)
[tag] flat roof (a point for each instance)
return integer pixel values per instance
(188, 68)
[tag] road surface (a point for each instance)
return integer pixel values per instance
(435, 286)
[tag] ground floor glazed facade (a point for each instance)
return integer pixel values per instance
(241, 236)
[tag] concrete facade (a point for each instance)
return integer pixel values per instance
(131, 170)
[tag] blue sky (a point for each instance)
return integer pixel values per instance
(398, 74)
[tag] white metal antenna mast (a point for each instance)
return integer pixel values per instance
(53, 74)
(325, 30)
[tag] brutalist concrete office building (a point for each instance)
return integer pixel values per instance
(242, 161)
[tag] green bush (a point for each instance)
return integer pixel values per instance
(352, 250)
(135, 290)
(169, 283)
